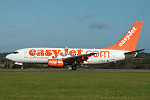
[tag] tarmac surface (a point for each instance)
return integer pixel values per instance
(101, 70)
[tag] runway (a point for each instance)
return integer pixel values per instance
(100, 70)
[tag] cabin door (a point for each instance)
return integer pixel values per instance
(25, 53)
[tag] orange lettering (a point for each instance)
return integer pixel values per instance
(87, 52)
(32, 52)
(79, 51)
(96, 55)
(48, 52)
(55, 53)
(104, 52)
(40, 52)
(72, 53)
(66, 52)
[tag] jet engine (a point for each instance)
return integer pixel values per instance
(56, 63)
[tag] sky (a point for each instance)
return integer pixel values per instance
(71, 23)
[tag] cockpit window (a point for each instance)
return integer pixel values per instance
(14, 52)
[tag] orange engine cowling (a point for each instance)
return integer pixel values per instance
(56, 63)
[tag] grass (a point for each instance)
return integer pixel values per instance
(89, 85)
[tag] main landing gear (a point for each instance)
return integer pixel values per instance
(74, 67)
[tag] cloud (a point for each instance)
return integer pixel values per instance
(77, 18)
(89, 15)
(99, 25)
(140, 14)
(26, 31)
(86, 16)
(39, 20)
(12, 26)
(10, 35)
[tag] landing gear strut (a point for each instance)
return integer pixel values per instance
(22, 67)
(74, 67)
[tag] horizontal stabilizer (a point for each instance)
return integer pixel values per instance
(134, 51)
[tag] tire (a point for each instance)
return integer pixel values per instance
(74, 67)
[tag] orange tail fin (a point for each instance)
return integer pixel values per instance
(129, 40)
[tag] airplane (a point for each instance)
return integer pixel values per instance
(60, 57)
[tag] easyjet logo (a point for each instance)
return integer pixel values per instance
(65, 52)
(127, 37)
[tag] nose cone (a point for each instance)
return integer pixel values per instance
(9, 57)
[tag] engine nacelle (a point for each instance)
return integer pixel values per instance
(56, 63)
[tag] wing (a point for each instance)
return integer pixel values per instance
(78, 59)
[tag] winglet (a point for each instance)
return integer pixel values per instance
(129, 40)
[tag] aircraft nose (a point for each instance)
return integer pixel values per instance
(9, 56)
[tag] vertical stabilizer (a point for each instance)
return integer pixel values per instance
(129, 40)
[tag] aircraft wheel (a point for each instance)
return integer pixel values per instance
(22, 68)
(74, 67)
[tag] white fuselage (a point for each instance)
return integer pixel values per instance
(41, 55)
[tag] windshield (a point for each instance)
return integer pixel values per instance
(13, 52)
